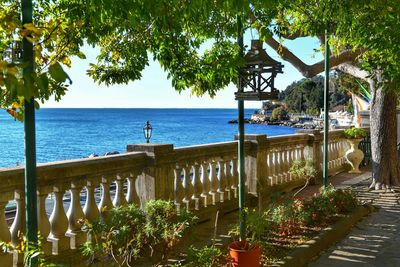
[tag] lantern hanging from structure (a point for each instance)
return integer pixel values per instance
(13, 54)
(258, 75)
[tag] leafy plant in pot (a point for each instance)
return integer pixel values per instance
(248, 252)
(354, 156)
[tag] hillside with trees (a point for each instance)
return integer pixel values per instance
(307, 95)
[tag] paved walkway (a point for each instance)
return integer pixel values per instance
(375, 241)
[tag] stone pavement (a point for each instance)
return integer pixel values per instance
(375, 241)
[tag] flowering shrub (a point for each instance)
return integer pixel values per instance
(288, 215)
(342, 200)
(292, 213)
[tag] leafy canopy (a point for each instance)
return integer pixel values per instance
(55, 38)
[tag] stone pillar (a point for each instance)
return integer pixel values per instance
(157, 179)
(257, 166)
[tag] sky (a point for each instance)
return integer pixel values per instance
(154, 90)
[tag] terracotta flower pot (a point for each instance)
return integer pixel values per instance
(244, 255)
(354, 155)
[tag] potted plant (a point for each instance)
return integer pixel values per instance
(248, 252)
(354, 156)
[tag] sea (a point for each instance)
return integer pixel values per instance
(63, 134)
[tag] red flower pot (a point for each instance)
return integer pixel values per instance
(245, 255)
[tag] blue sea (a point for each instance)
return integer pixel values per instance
(76, 133)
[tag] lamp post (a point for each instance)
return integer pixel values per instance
(30, 138)
(22, 52)
(147, 131)
(255, 82)
(326, 112)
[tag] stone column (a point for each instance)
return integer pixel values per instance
(257, 166)
(157, 179)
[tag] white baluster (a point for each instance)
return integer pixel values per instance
(178, 188)
(290, 161)
(6, 259)
(330, 155)
(279, 165)
(285, 163)
(274, 167)
(105, 204)
(270, 164)
(58, 222)
(132, 195)
(228, 175)
(119, 199)
(235, 177)
(18, 226)
(214, 183)
(5, 234)
(90, 209)
(43, 220)
(75, 215)
(188, 186)
(301, 150)
(206, 184)
(197, 186)
(221, 181)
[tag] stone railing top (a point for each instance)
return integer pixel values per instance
(66, 171)
(208, 151)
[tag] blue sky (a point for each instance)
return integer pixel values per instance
(154, 90)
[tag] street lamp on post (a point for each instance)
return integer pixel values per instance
(30, 137)
(147, 131)
(255, 82)
(22, 52)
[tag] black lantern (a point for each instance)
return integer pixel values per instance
(14, 53)
(147, 130)
(258, 75)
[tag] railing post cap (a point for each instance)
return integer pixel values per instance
(253, 137)
(150, 148)
(309, 131)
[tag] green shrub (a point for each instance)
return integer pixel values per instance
(341, 200)
(164, 227)
(303, 169)
(127, 232)
(355, 133)
(208, 256)
(280, 113)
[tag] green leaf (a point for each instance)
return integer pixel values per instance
(43, 82)
(57, 73)
(12, 85)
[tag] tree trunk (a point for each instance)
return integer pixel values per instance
(385, 170)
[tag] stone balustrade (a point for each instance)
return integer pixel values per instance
(201, 179)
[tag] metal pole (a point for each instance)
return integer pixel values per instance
(242, 219)
(326, 111)
(30, 140)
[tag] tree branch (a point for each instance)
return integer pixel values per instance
(307, 71)
(310, 71)
(354, 71)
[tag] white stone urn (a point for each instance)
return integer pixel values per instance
(354, 156)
